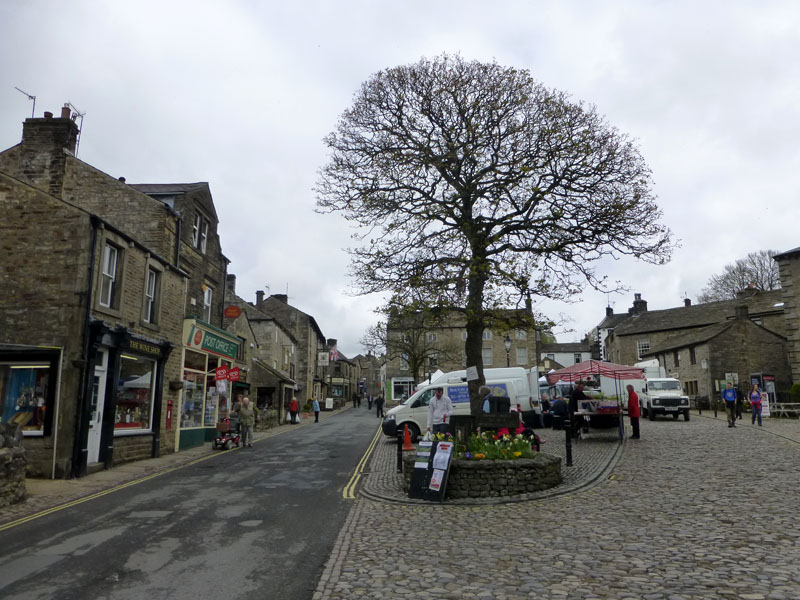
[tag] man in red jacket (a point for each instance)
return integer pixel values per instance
(633, 412)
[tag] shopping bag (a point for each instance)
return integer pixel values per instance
(288, 417)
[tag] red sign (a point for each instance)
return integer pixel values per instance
(233, 374)
(233, 312)
(221, 373)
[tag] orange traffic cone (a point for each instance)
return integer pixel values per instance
(407, 445)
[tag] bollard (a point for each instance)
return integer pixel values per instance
(568, 433)
(399, 455)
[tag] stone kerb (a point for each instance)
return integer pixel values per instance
(12, 465)
(496, 478)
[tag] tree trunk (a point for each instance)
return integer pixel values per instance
(473, 347)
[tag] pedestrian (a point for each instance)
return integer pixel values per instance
(545, 419)
(369, 402)
(634, 411)
(485, 392)
(355, 400)
(729, 396)
(440, 410)
(755, 404)
(739, 402)
(247, 420)
(379, 406)
(294, 409)
(575, 396)
(315, 408)
(359, 401)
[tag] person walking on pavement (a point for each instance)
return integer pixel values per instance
(355, 399)
(634, 412)
(379, 406)
(575, 396)
(739, 402)
(729, 396)
(293, 410)
(369, 402)
(485, 392)
(755, 404)
(247, 420)
(315, 408)
(440, 410)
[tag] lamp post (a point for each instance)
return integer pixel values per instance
(507, 343)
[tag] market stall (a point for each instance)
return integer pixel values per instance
(599, 412)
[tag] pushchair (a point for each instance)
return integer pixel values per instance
(228, 433)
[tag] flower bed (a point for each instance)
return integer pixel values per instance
(471, 478)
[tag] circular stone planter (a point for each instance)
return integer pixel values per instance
(496, 478)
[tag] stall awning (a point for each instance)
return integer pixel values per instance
(591, 367)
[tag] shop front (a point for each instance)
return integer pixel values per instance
(209, 355)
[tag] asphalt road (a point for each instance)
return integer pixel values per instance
(251, 523)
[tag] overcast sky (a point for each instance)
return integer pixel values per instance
(241, 93)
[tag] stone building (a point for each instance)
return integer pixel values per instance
(310, 342)
(272, 348)
(89, 318)
(344, 375)
(737, 349)
(642, 329)
(369, 366)
(175, 228)
(789, 269)
(442, 346)
(568, 354)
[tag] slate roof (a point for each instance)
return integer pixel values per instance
(698, 336)
(788, 253)
(611, 321)
(568, 347)
(699, 315)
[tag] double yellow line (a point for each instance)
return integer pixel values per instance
(348, 493)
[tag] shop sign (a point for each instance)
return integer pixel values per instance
(198, 338)
(221, 373)
(234, 374)
(142, 347)
(232, 312)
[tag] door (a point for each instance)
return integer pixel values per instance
(96, 406)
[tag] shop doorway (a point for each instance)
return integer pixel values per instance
(96, 406)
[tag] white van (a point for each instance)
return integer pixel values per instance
(510, 382)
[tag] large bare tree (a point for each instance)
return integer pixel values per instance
(756, 271)
(474, 187)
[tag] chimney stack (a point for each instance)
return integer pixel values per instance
(687, 301)
(609, 311)
(639, 305)
(65, 112)
(230, 283)
(259, 297)
(741, 312)
(45, 145)
(282, 297)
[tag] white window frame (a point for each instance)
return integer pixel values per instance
(522, 334)
(432, 337)
(488, 356)
(109, 275)
(203, 236)
(522, 355)
(577, 357)
(642, 345)
(403, 364)
(464, 336)
(487, 334)
(208, 297)
(198, 220)
(151, 296)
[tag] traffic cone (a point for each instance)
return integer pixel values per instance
(407, 445)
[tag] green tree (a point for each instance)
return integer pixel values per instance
(475, 187)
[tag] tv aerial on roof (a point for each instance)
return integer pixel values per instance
(75, 115)
(30, 97)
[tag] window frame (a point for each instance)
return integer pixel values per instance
(111, 277)
(524, 350)
(203, 236)
(484, 351)
(640, 346)
(208, 302)
(152, 298)
(198, 219)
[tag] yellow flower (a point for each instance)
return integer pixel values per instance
(517, 454)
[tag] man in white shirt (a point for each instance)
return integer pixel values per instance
(440, 410)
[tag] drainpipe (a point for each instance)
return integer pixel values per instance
(78, 453)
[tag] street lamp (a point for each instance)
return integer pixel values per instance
(507, 343)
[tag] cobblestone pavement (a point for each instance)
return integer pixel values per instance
(692, 510)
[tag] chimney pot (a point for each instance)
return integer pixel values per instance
(48, 114)
(259, 297)
(65, 112)
(122, 179)
(609, 311)
(687, 301)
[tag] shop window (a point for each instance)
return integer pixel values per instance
(24, 389)
(522, 356)
(108, 282)
(151, 296)
(135, 393)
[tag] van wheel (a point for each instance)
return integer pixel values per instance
(413, 431)
(675, 416)
(650, 414)
(686, 415)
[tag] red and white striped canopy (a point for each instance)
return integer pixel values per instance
(591, 367)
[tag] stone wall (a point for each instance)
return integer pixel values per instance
(789, 268)
(12, 465)
(496, 478)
